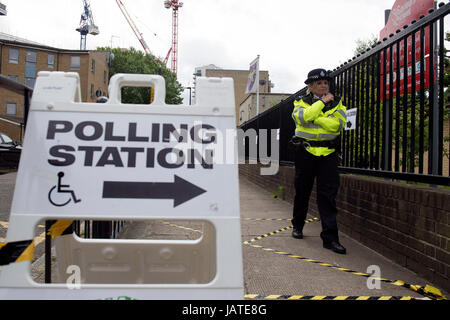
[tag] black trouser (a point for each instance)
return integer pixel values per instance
(307, 168)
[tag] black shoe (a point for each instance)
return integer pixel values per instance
(335, 246)
(297, 233)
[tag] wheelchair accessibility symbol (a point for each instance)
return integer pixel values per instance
(59, 195)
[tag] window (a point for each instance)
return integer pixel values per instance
(31, 56)
(93, 66)
(14, 78)
(13, 55)
(75, 62)
(30, 68)
(30, 82)
(51, 61)
(11, 109)
(92, 90)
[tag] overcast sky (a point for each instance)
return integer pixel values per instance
(291, 36)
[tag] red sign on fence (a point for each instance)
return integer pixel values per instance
(402, 13)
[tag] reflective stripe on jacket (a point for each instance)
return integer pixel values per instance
(311, 123)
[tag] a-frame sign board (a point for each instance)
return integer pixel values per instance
(114, 161)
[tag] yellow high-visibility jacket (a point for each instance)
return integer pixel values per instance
(314, 124)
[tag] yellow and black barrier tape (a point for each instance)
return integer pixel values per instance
(267, 219)
(16, 251)
(253, 219)
(179, 226)
(60, 228)
(426, 290)
(299, 297)
(277, 231)
(23, 250)
(267, 235)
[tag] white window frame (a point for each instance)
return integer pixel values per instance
(11, 104)
(13, 59)
(31, 56)
(52, 64)
(73, 64)
(13, 78)
(30, 82)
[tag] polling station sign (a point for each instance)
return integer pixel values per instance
(110, 164)
(111, 160)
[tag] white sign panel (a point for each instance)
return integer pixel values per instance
(110, 164)
(351, 119)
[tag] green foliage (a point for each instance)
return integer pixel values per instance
(363, 44)
(134, 61)
(405, 119)
(447, 78)
(412, 124)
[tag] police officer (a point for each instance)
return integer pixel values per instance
(319, 118)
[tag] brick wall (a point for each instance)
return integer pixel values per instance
(406, 223)
(99, 76)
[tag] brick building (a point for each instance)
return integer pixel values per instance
(240, 78)
(247, 108)
(21, 60)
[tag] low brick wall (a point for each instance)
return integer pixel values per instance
(405, 223)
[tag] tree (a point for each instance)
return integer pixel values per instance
(134, 61)
(447, 76)
(363, 44)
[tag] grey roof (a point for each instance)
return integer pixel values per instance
(4, 37)
(8, 37)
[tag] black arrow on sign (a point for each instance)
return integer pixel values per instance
(180, 190)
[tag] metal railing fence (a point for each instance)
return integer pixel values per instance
(399, 131)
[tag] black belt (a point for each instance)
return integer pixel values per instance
(296, 142)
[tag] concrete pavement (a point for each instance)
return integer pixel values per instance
(281, 265)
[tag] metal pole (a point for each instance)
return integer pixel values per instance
(189, 94)
(27, 94)
(387, 12)
(387, 130)
(257, 90)
(435, 146)
(48, 253)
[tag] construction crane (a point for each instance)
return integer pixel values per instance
(167, 56)
(175, 5)
(87, 25)
(134, 27)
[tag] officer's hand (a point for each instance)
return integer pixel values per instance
(328, 98)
